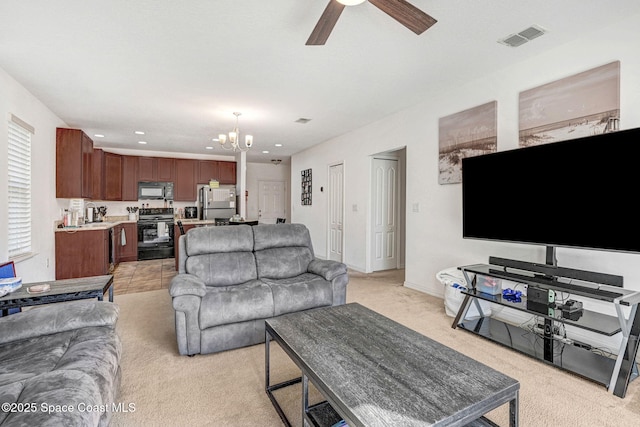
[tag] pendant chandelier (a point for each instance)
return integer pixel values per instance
(234, 138)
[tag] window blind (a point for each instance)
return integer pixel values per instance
(19, 168)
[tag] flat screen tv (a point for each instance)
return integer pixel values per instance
(579, 193)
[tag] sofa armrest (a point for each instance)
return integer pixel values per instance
(56, 318)
(187, 284)
(327, 268)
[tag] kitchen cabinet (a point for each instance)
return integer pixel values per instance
(154, 169)
(112, 176)
(227, 173)
(98, 174)
(74, 162)
(208, 170)
(128, 251)
(166, 169)
(130, 178)
(184, 188)
(82, 253)
(147, 169)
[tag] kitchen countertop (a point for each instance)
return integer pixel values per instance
(104, 225)
(195, 221)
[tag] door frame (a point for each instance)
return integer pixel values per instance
(398, 154)
(329, 190)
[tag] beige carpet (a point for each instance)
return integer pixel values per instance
(227, 389)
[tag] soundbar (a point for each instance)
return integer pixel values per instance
(554, 271)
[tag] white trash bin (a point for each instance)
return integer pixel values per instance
(454, 281)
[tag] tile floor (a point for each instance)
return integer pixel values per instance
(143, 276)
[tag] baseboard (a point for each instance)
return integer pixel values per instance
(425, 289)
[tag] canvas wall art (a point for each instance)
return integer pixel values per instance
(581, 105)
(468, 133)
(306, 187)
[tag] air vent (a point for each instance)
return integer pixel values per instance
(528, 34)
(303, 121)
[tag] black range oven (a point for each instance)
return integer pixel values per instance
(155, 233)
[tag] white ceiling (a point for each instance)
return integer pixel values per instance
(179, 69)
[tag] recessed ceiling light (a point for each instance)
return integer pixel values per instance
(142, 142)
(265, 152)
(139, 132)
(215, 140)
(209, 148)
(278, 145)
(99, 135)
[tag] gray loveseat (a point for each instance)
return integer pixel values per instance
(60, 365)
(231, 278)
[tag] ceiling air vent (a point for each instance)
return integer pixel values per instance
(515, 40)
(303, 121)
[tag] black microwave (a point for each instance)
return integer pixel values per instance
(155, 190)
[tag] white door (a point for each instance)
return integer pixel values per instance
(385, 214)
(336, 211)
(271, 201)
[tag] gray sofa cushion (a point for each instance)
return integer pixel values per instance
(223, 269)
(268, 236)
(300, 293)
(238, 303)
(281, 263)
(207, 240)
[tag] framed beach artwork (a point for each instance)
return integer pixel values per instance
(468, 133)
(581, 105)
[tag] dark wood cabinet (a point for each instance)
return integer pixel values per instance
(74, 163)
(166, 169)
(147, 169)
(112, 176)
(184, 188)
(98, 174)
(82, 254)
(227, 173)
(128, 251)
(130, 178)
(207, 170)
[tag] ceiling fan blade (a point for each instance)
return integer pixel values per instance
(325, 25)
(406, 14)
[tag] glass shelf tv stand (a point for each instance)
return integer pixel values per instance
(579, 358)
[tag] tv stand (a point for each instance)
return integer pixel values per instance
(614, 374)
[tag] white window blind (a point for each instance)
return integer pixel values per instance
(19, 168)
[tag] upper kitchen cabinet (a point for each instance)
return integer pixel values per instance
(185, 184)
(223, 172)
(74, 161)
(112, 176)
(156, 169)
(130, 178)
(98, 174)
(227, 173)
(207, 170)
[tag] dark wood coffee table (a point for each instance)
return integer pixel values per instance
(373, 371)
(61, 290)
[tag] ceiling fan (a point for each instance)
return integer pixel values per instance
(400, 10)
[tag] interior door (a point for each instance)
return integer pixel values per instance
(271, 201)
(336, 211)
(385, 214)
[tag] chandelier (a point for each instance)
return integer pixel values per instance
(234, 138)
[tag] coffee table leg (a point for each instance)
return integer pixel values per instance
(513, 412)
(305, 398)
(111, 293)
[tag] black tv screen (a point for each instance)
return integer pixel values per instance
(579, 193)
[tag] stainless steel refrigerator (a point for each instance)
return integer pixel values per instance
(217, 202)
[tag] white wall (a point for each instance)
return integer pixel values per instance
(433, 235)
(266, 172)
(16, 100)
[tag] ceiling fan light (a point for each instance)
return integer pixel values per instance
(350, 2)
